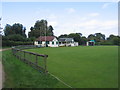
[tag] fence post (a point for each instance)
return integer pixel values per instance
(13, 51)
(36, 60)
(27, 56)
(45, 63)
(20, 54)
(24, 56)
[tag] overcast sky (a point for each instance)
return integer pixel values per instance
(65, 17)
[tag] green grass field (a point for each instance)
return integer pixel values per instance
(83, 67)
(21, 75)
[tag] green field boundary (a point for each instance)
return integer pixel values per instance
(60, 80)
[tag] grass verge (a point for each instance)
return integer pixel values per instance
(21, 75)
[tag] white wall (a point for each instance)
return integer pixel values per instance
(50, 43)
(53, 45)
(87, 43)
(56, 45)
(76, 43)
(36, 43)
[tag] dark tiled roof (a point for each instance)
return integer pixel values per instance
(65, 39)
(45, 38)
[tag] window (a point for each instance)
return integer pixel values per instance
(52, 42)
(39, 42)
(56, 42)
(47, 42)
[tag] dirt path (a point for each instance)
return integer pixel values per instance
(2, 78)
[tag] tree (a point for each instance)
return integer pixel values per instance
(99, 37)
(111, 37)
(83, 40)
(32, 28)
(23, 32)
(15, 29)
(115, 40)
(76, 37)
(50, 31)
(8, 30)
(0, 28)
(63, 36)
(16, 37)
(41, 29)
(91, 37)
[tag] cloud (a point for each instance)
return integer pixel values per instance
(94, 26)
(99, 24)
(105, 5)
(88, 27)
(71, 10)
(94, 14)
(52, 16)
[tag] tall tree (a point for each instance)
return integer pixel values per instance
(115, 40)
(91, 37)
(50, 31)
(99, 37)
(0, 28)
(63, 36)
(15, 29)
(41, 29)
(76, 37)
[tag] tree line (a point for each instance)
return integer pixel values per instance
(99, 38)
(16, 35)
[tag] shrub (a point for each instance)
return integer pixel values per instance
(15, 43)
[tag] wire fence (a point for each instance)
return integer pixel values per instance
(37, 61)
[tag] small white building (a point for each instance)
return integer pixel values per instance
(91, 43)
(67, 42)
(48, 41)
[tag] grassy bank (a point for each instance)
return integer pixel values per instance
(84, 67)
(20, 75)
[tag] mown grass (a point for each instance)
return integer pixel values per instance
(83, 67)
(21, 75)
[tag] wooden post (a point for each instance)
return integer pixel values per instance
(45, 64)
(36, 62)
(24, 56)
(13, 51)
(20, 55)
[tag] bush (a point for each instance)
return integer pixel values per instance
(106, 43)
(15, 43)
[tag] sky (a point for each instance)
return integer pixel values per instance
(65, 17)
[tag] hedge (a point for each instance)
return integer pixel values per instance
(15, 43)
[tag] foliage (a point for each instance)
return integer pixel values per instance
(15, 43)
(16, 32)
(41, 29)
(115, 40)
(76, 36)
(98, 37)
(16, 37)
(15, 29)
(63, 36)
